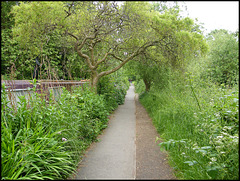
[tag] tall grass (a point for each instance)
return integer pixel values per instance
(199, 124)
(30, 149)
(46, 139)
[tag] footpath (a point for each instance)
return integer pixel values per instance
(126, 149)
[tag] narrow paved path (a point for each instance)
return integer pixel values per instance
(127, 148)
(114, 156)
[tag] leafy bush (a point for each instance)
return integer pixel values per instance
(113, 90)
(223, 65)
(139, 86)
(31, 149)
(45, 139)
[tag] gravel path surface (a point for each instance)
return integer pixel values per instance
(151, 163)
(127, 148)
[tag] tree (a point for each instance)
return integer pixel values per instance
(181, 41)
(223, 60)
(106, 35)
(7, 18)
(102, 32)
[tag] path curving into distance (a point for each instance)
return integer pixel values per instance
(124, 151)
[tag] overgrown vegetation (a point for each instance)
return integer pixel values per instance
(46, 139)
(191, 94)
(196, 113)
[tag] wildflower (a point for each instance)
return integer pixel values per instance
(59, 132)
(195, 115)
(214, 159)
(219, 137)
(224, 133)
(64, 139)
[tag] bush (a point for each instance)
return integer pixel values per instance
(223, 65)
(113, 90)
(45, 139)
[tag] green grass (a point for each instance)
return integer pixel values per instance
(46, 139)
(199, 124)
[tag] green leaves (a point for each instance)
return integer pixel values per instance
(223, 58)
(211, 148)
(33, 21)
(191, 163)
(46, 141)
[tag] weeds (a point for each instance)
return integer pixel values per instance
(200, 126)
(45, 139)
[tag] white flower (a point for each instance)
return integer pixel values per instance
(214, 159)
(64, 139)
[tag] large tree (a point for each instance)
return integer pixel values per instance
(104, 34)
(181, 41)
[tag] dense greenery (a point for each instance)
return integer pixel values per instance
(188, 83)
(46, 139)
(196, 112)
(96, 38)
(223, 65)
(113, 90)
(57, 61)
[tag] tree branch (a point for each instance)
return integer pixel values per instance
(102, 60)
(118, 58)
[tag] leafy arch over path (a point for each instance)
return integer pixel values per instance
(106, 35)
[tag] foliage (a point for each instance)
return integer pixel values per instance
(45, 139)
(199, 122)
(223, 66)
(139, 87)
(113, 88)
(109, 35)
(56, 62)
(98, 31)
(180, 41)
(6, 18)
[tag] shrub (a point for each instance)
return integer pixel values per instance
(45, 139)
(113, 91)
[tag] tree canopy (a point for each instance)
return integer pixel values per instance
(105, 35)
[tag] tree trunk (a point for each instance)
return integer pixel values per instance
(94, 82)
(147, 84)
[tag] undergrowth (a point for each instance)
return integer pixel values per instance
(199, 123)
(46, 139)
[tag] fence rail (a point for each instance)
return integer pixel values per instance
(17, 88)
